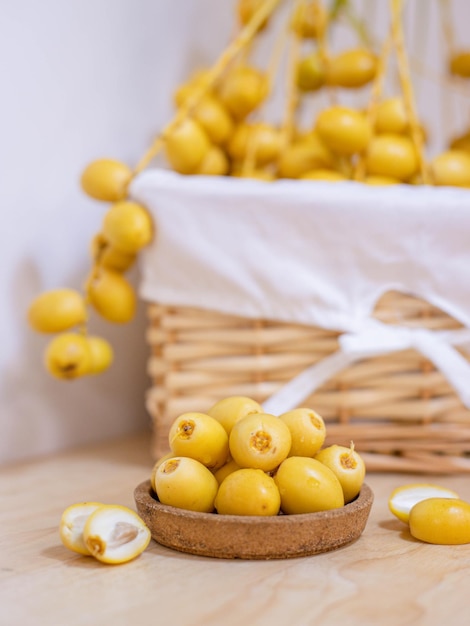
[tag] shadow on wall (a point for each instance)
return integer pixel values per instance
(44, 414)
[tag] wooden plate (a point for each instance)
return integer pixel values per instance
(249, 537)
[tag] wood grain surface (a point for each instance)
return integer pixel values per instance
(386, 578)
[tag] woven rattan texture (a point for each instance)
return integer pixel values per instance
(400, 412)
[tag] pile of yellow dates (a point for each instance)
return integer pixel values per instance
(223, 137)
(125, 230)
(237, 460)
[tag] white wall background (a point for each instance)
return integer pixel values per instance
(81, 79)
(84, 79)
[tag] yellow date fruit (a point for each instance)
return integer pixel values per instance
(128, 227)
(305, 155)
(311, 73)
(115, 534)
(214, 119)
(215, 163)
(347, 465)
(461, 143)
(106, 180)
(307, 486)
(112, 296)
(162, 459)
(243, 90)
(262, 141)
(101, 354)
(225, 470)
(352, 69)
(68, 356)
(460, 64)
(443, 521)
(229, 410)
(185, 483)
(392, 156)
(72, 524)
(189, 87)
(104, 254)
(57, 310)
(391, 117)
(187, 146)
(451, 168)
(200, 437)
(248, 492)
(246, 9)
(310, 20)
(260, 441)
(343, 130)
(307, 430)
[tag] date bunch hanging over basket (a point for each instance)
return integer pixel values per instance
(221, 128)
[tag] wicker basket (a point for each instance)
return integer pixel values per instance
(400, 412)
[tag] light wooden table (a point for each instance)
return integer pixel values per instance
(385, 578)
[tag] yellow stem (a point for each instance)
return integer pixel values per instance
(276, 56)
(406, 85)
(293, 97)
(323, 38)
(324, 54)
(245, 36)
(249, 161)
(376, 94)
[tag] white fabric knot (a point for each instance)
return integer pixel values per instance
(377, 339)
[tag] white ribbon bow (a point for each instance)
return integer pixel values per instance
(373, 340)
